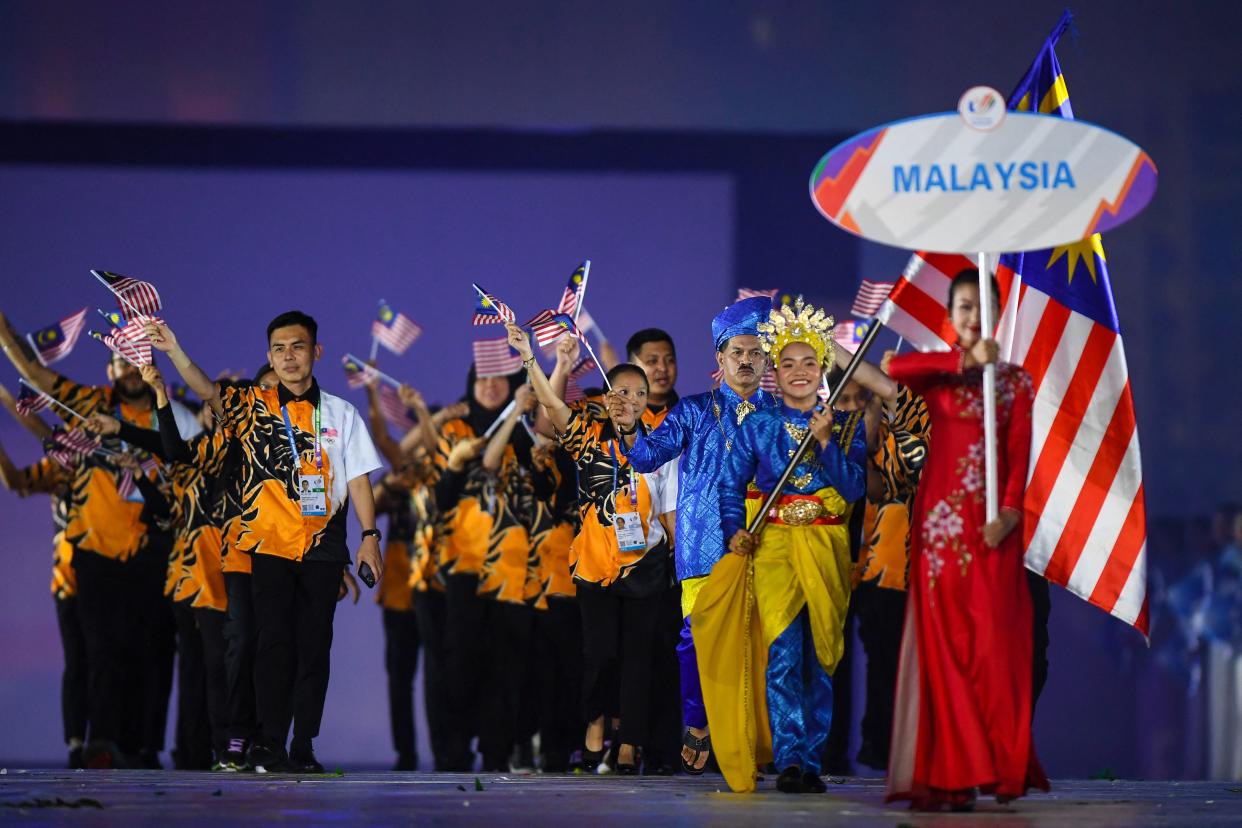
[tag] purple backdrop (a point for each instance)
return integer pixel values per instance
(229, 251)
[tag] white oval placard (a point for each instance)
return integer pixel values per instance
(933, 183)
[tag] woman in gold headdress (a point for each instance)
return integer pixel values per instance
(769, 621)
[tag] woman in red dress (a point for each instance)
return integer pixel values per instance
(963, 710)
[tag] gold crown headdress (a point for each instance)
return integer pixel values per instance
(799, 323)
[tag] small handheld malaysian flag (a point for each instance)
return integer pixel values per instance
(573, 390)
(75, 439)
(137, 353)
(357, 373)
(571, 298)
(549, 328)
(394, 330)
(870, 298)
(125, 485)
(494, 358)
(392, 409)
(55, 341)
(488, 310)
(137, 299)
(29, 401)
(63, 457)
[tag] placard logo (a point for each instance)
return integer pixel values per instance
(982, 108)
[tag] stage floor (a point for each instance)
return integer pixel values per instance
(185, 799)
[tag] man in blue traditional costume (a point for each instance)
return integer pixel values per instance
(769, 620)
(701, 430)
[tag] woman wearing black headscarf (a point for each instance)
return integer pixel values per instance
(478, 522)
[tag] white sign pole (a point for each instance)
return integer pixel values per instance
(989, 389)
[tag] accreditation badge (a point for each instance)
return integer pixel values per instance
(629, 529)
(312, 496)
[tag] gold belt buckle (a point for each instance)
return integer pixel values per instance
(801, 512)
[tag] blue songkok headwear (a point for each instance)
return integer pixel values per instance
(740, 319)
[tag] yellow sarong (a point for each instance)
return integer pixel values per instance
(742, 607)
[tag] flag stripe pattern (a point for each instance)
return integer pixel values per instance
(394, 330)
(130, 341)
(488, 310)
(571, 297)
(396, 414)
(870, 297)
(550, 327)
(915, 307)
(54, 342)
(494, 358)
(30, 400)
(143, 296)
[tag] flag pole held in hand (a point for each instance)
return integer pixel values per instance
(989, 391)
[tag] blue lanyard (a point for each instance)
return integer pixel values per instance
(612, 450)
(293, 446)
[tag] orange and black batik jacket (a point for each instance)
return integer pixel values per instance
(483, 519)
(556, 522)
(605, 491)
(271, 520)
(195, 572)
(100, 520)
(50, 478)
(898, 459)
(393, 498)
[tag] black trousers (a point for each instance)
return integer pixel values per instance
(664, 744)
(881, 616)
(618, 647)
(210, 624)
(107, 616)
(151, 652)
(240, 719)
(1041, 603)
(294, 604)
(465, 645)
(558, 676)
(429, 610)
(510, 629)
(74, 677)
(193, 729)
(401, 645)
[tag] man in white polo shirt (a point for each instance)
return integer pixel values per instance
(306, 454)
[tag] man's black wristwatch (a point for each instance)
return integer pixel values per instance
(366, 533)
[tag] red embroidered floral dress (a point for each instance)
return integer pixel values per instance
(963, 707)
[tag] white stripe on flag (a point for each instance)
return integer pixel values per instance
(1130, 601)
(1108, 525)
(1058, 507)
(1026, 324)
(1056, 381)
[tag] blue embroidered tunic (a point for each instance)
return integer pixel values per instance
(765, 444)
(700, 429)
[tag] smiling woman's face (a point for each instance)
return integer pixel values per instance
(797, 373)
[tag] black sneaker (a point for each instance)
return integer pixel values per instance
(790, 780)
(302, 760)
(406, 762)
(265, 760)
(233, 758)
(811, 783)
(77, 757)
